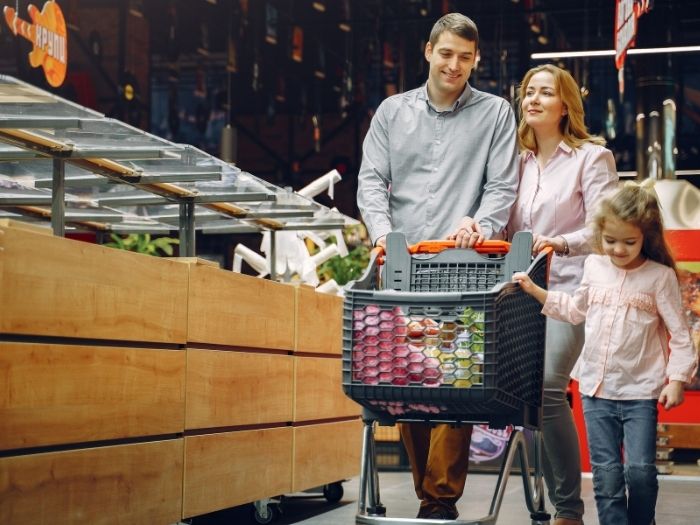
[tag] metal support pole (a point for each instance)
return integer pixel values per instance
(273, 255)
(58, 198)
(187, 246)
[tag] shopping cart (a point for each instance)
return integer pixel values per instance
(441, 335)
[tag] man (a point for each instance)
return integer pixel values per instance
(440, 161)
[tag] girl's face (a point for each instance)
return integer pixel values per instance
(542, 106)
(622, 242)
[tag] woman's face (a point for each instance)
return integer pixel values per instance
(542, 106)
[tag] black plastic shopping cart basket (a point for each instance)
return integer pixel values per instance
(441, 335)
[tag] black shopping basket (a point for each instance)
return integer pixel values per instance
(435, 335)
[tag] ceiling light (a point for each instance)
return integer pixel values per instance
(611, 52)
(319, 6)
(542, 39)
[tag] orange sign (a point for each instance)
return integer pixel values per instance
(47, 33)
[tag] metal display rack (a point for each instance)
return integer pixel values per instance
(72, 166)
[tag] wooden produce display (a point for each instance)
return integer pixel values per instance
(92, 372)
(138, 389)
(327, 428)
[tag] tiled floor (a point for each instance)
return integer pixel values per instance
(678, 503)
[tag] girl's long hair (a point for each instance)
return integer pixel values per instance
(572, 125)
(636, 204)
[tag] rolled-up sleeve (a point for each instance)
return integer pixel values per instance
(374, 177)
(683, 360)
(598, 179)
(501, 186)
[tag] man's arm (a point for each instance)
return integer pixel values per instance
(374, 178)
(501, 175)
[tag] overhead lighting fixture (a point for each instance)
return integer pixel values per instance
(542, 39)
(345, 27)
(611, 52)
(319, 6)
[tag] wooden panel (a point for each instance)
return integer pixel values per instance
(233, 468)
(318, 390)
(232, 309)
(326, 453)
(55, 394)
(237, 388)
(681, 435)
(125, 484)
(51, 286)
(319, 322)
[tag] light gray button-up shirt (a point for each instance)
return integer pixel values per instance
(423, 169)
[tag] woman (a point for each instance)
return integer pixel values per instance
(564, 171)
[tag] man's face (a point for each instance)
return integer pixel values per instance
(451, 59)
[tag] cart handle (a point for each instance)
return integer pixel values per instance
(495, 247)
(498, 247)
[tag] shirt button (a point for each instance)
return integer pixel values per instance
(437, 142)
(434, 169)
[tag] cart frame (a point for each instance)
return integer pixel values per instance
(370, 510)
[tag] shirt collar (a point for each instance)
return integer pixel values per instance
(563, 146)
(459, 103)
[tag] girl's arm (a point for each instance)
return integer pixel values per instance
(559, 305)
(530, 287)
(683, 361)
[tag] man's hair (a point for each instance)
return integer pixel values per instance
(458, 24)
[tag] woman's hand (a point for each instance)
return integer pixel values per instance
(557, 243)
(672, 395)
(468, 233)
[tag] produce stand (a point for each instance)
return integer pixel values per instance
(186, 383)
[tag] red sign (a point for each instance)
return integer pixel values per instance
(626, 14)
(48, 35)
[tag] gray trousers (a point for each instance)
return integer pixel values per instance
(561, 461)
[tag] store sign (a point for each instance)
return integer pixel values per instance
(48, 35)
(626, 14)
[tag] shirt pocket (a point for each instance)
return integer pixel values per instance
(640, 320)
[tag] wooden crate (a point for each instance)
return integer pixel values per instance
(51, 286)
(125, 484)
(326, 453)
(226, 388)
(227, 308)
(318, 390)
(58, 394)
(680, 435)
(319, 322)
(232, 468)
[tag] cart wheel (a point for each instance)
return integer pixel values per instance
(333, 492)
(266, 514)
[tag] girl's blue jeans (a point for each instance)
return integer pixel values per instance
(622, 445)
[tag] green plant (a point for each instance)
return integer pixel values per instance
(143, 243)
(345, 269)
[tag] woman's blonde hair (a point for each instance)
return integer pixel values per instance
(572, 124)
(635, 204)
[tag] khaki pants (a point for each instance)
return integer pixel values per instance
(439, 457)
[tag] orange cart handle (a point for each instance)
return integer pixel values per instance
(501, 247)
(494, 247)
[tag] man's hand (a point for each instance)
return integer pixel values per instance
(468, 233)
(671, 395)
(381, 242)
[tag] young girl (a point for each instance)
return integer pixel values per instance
(630, 301)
